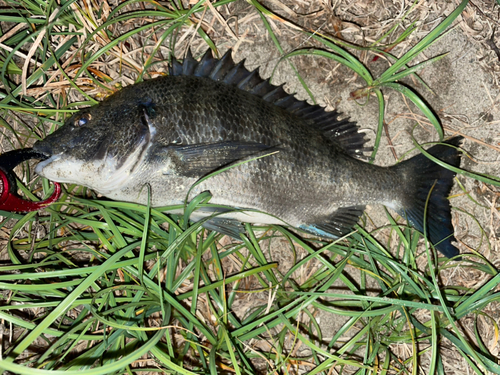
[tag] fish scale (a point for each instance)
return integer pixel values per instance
(290, 162)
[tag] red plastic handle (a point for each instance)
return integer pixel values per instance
(11, 202)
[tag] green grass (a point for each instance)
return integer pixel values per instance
(106, 283)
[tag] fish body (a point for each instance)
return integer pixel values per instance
(290, 163)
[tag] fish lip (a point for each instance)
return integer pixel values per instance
(42, 155)
(49, 159)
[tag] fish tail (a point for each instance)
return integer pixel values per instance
(428, 187)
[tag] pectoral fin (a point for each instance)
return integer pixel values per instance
(199, 160)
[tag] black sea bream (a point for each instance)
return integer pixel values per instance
(171, 131)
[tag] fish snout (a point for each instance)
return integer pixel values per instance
(43, 148)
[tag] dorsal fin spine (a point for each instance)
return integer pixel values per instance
(262, 88)
(277, 93)
(247, 83)
(222, 67)
(236, 73)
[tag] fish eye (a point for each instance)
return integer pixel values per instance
(83, 119)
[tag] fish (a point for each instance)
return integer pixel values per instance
(270, 157)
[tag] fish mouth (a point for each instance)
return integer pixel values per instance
(41, 155)
(46, 161)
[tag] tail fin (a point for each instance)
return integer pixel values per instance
(423, 176)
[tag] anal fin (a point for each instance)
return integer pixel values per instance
(336, 225)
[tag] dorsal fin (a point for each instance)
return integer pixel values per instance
(343, 132)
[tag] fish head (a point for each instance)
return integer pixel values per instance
(98, 147)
